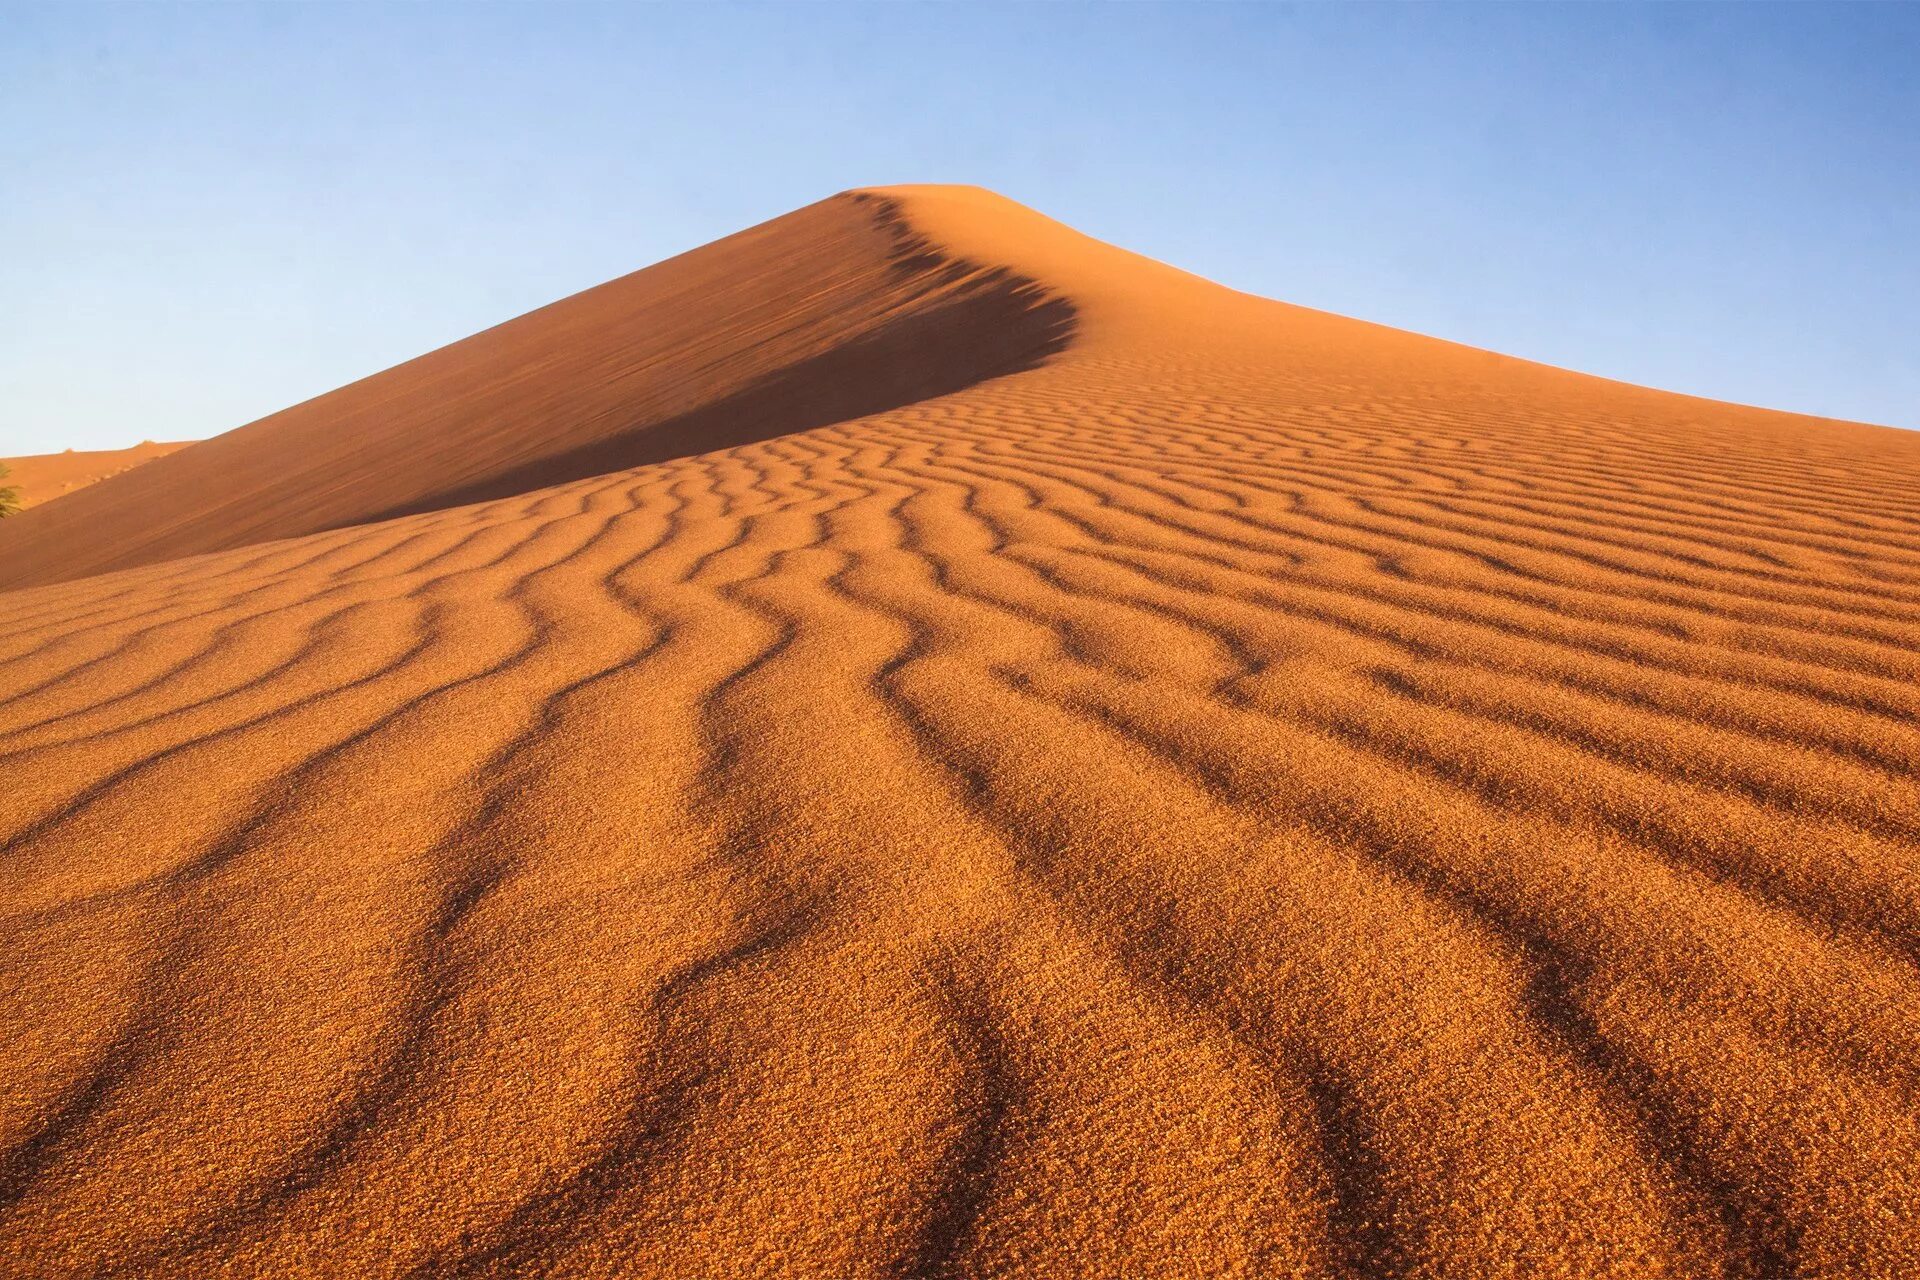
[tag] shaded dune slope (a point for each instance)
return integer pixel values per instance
(1245, 793)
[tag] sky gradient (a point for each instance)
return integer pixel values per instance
(212, 212)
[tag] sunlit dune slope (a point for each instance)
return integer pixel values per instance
(42, 477)
(1064, 770)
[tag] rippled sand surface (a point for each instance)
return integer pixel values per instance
(912, 743)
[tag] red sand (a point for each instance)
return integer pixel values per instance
(910, 742)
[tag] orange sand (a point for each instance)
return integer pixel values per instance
(910, 742)
(42, 477)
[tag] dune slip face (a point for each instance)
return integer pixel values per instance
(909, 742)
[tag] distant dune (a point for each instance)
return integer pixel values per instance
(41, 477)
(909, 742)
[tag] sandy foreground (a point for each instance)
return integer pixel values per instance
(912, 743)
(42, 477)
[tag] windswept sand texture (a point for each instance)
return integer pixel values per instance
(42, 477)
(949, 749)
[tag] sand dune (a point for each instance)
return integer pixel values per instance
(910, 742)
(42, 477)
(834, 312)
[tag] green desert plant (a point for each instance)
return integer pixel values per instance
(9, 497)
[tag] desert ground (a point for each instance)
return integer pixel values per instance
(909, 742)
(42, 477)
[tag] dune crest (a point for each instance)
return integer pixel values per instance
(911, 742)
(42, 477)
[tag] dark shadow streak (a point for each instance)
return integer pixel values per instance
(993, 324)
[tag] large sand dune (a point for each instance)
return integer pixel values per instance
(909, 743)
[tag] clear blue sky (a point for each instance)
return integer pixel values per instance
(210, 212)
